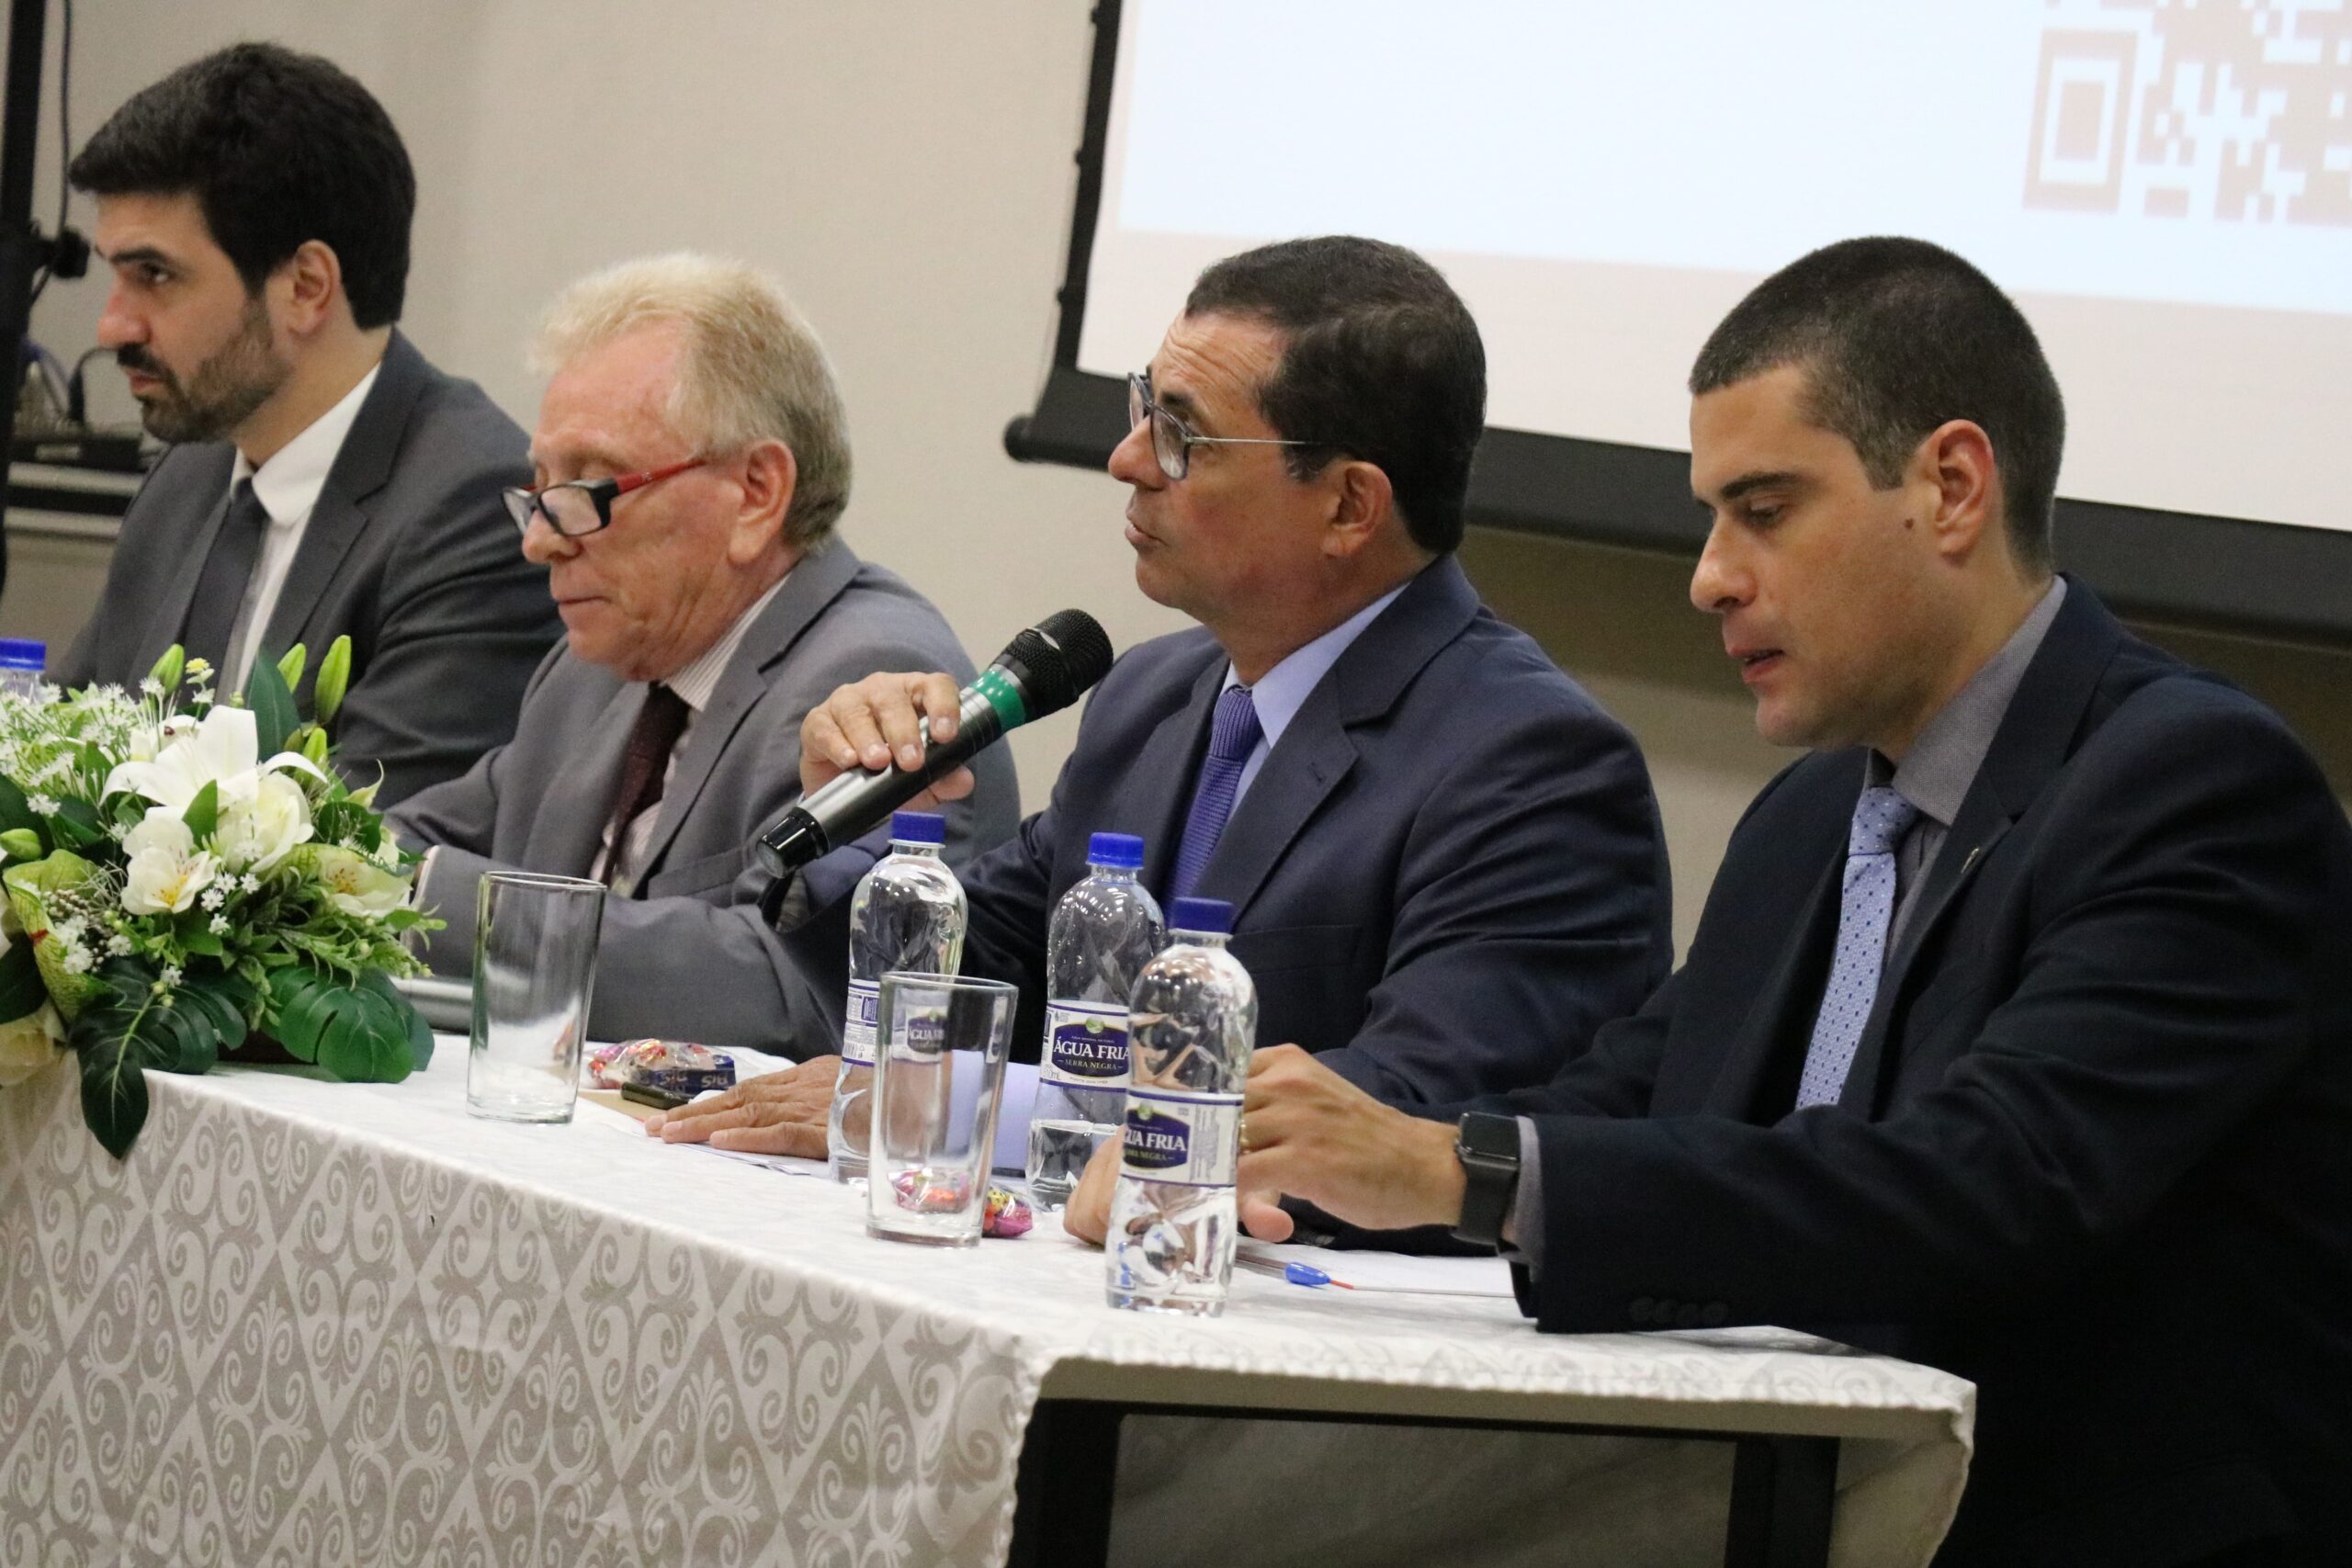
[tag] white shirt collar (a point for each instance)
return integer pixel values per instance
(699, 680)
(1281, 692)
(288, 484)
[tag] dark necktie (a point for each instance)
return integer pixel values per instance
(1864, 912)
(643, 762)
(1233, 735)
(220, 586)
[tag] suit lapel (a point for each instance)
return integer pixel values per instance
(1780, 1015)
(1370, 677)
(340, 516)
(1166, 767)
(179, 590)
(816, 582)
(2032, 743)
(1314, 756)
(568, 828)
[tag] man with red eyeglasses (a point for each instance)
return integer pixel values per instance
(690, 465)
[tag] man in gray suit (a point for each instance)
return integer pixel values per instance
(324, 480)
(691, 462)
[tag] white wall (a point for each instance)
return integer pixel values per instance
(907, 169)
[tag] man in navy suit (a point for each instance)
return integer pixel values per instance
(2015, 1035)
(1444, 858)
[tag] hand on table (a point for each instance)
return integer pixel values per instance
(872, 722)
(775, 1113)
(1315, 1136)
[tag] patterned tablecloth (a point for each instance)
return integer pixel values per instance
(312, 1323)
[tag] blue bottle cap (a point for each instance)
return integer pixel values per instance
(1123, 851)
(918, 827)
(1214, 916)
(22, 653)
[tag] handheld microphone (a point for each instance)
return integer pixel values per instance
(1042, 670)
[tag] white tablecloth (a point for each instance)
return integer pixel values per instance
(310, 1323)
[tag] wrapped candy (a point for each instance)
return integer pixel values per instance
(1005, 1215)
(672, 1066)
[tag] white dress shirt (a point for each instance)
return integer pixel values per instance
(287, 486)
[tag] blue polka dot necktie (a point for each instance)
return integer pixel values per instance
(1864, 912)
(1233, 735)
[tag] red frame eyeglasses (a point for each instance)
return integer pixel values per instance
(579, 507)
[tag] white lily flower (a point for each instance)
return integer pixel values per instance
(356, 884)
(166, 871)
(222, 749)
(259, 830)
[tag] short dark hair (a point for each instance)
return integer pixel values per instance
(1896, 337)
(279, 148)
(1383, 363)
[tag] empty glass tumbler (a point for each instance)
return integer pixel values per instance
(535, 971)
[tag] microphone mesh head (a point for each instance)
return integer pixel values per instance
(1061, 657)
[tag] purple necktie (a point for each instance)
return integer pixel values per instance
(1233, 735)
(1864, 912)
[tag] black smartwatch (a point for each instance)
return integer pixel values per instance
(1487, 1148)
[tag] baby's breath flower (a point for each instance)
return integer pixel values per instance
(171, 974)
(212, 898)
(220, 925)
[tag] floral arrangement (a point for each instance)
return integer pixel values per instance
(181, 873)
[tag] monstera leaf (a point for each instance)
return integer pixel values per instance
(362, 1031)
(132, 1022)
(32, 888)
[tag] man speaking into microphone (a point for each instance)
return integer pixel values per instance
(1444, 859)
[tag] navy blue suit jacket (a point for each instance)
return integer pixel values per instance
(2095, 1150)
(1448, 874)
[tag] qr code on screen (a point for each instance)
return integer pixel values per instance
(2234, 109)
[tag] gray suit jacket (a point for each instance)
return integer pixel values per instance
(690, 958)
(409, 550)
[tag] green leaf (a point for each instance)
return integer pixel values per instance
(196, 936)
(21, 991)
(127, 1027)
(272, 705)
(16, 814)
(204, 812)
(76, 827)
(363, 1033)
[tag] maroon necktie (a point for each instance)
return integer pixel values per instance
(643, 762)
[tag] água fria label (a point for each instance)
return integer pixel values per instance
(1086, 1046)
(861, 1016)
(1189, 1138)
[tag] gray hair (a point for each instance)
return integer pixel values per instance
(751, 370)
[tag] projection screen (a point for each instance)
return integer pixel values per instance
(2167, 189)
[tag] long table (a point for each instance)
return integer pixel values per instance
(310, 1323)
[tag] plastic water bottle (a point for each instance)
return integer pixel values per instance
(1192, 1021)
(1104, 931)
(908, 913)
(23, 661)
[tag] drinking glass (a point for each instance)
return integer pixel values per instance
(535, 969)
(941, 1043)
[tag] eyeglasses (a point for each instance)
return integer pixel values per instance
(1172, 440)
(582, 506)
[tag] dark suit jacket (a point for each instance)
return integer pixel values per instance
(692, 958)
(2096, 1150)
(409, 550)
(1444, 877)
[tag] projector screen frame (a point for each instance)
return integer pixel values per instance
(2227, 574)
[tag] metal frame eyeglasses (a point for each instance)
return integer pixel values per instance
(579, 507)
(1172, 440)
